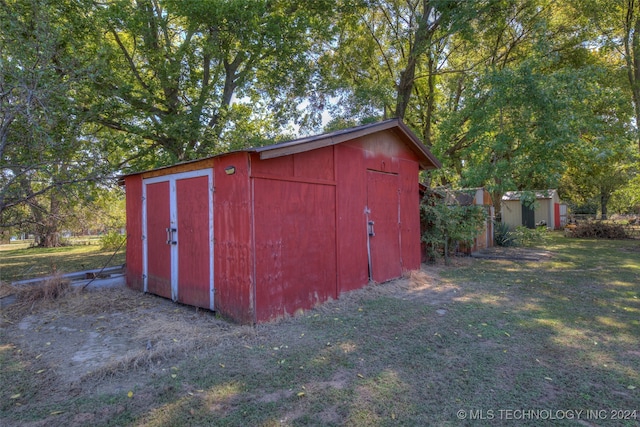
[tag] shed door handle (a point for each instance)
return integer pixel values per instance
(170, 236)
(370, 228)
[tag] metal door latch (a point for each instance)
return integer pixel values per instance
(170, 236)
(370, 228)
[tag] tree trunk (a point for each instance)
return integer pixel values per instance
(404, 89)
(50, 239)
(604, 200)
(421, 44)
(430, 101)
(48, 229)
(632, 58)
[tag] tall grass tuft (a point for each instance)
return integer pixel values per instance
(51, 289)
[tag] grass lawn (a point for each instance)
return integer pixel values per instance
(18, 261)
(481, 342)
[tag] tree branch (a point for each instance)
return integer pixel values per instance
(132, 65)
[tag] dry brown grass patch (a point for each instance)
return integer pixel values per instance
(30, 298)
(6, 290)
(163, 336)
(51, 289)
(100, 335)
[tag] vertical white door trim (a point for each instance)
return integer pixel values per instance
(145, 262)
(173, 217)
(211, 263)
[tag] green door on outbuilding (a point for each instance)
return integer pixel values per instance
(528, 217)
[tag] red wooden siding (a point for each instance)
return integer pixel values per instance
(134, 232)
(316, 164)
(383, 151)
(233, 252)
(409, 220)
(352, 227)
(158, 251)
(295, 235)
(192, 197)
(280, 166)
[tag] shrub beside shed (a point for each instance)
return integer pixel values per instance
(478, 197)
(463, 197)
(264, 232)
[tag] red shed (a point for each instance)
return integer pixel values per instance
(264, 232)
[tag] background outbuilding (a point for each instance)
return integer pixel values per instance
(264, 232)
(547, 210)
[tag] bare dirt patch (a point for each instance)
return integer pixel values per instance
(86, 339)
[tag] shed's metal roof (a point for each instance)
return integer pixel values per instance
(540, 194)
(426, 159)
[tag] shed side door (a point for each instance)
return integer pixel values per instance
(194, 245)
(156, 220)
(383, 225)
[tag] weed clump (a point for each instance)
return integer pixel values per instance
(51, 289)
(24, 299)
(503, 236)
(6, 289)
(520, 236)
